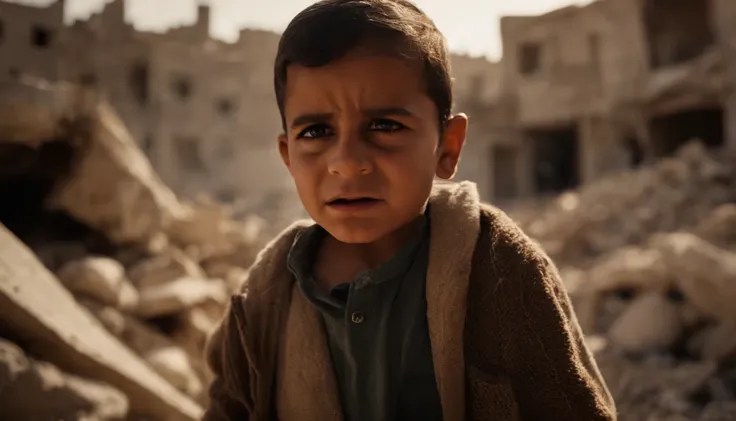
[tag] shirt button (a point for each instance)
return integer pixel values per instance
(362, 281)
(357, 317)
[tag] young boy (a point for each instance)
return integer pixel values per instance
(404, 301)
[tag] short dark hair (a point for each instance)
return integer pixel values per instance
(327, 30)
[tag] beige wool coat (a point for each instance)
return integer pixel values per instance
(505, 342)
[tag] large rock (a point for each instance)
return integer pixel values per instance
(166, 267)
(174, 364)
(706, 273)
(168, 359)
(41, 313)
(208, 230)
(604, 292)
(650, 323)
(195, 326)
(180, 295)
(38, 391)
(113, 187)
(719, 227)
(100, 278)
(234, 276)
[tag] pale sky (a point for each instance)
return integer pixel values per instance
(470, 26)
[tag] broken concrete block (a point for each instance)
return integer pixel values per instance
(195, 326)
(630, 267)
(37, 390)
(234, 276)
(720, 226)
(207, 230)
(40, 312)
(206, 225)
(167, 267)
(173, 364)
(650, 323)
(704, 272)
(180, 295)
(167, 358)
(100, 278)
(113, 187)
(604, 291)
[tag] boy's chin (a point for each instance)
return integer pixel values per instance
(355, 233)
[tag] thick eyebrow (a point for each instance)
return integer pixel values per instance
(307, 119)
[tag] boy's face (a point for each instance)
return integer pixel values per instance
(363, 145)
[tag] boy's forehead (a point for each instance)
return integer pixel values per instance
(364, 76)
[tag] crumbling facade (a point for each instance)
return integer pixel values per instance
(30, 39)
(600, 88)
(200, 108)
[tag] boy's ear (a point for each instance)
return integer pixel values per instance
(451, 145)
(283, 142)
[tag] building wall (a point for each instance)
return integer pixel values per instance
(475, 79)
(219, 140)
(30, 40)
(698, 88)
(476, 83)
(87, 60)
(230, 114)
(556, 64)
(589, 67)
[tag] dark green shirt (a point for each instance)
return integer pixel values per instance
(377, 332)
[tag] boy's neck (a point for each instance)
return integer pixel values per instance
(338, 262)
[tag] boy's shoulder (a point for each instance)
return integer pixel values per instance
(500, 235)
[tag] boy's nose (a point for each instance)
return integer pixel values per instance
(350, 157)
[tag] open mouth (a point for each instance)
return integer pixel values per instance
(355, 201)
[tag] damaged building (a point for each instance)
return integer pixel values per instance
(604, 87)
(193, 103)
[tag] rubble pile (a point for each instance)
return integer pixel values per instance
(649, 259)
(109, 284)
(626, 208)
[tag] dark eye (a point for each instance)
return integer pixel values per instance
(315, 131)
(384, 125)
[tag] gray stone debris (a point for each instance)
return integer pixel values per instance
(100, 278)
(649, 259)
(123, 307)
(34, 390)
